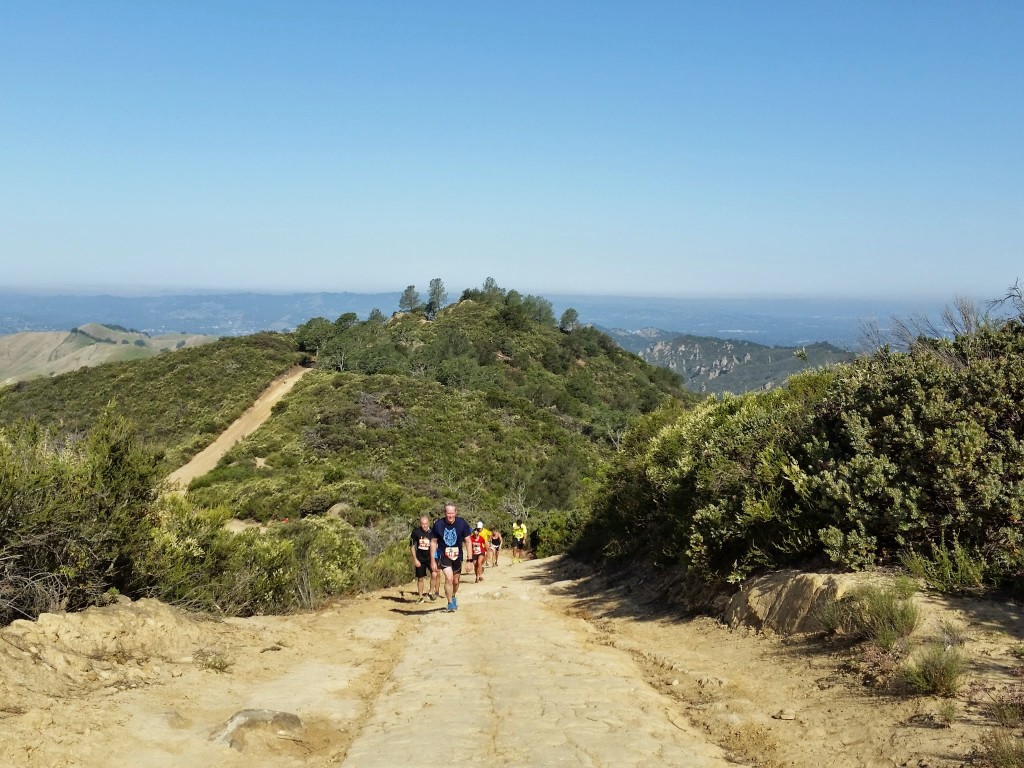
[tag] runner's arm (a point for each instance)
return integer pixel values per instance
(433, 555)
(412, 551)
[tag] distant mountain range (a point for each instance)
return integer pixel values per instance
(217, 314)
(789, 322)
(31, 354)
(712, 365)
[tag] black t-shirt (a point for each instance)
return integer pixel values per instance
(450, 537)
(421, 540)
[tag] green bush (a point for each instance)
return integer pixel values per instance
(196, 563)
(387, 568)
(75, 516)
(709, 488)
(895, 452)
(884, 616)
(937, 670)
(950, 570)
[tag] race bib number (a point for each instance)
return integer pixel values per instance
(477, 549)
(452, 553)
(424, 544)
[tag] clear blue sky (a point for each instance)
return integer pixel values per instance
(853, 148)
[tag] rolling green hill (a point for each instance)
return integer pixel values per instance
(488, 403)
(29, 355)
(178, 402)
(711, 365)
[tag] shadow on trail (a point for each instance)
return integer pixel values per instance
(630, 592)
(420, 612)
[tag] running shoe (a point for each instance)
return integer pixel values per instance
(423, 599)
(455, 604)
(433, 597)
(451, 606)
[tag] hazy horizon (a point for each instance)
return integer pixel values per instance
(138, 291)
(599, 148)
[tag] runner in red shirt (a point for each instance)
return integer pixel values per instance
(478, 551)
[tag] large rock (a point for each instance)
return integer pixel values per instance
(231, 733)
(788, 601)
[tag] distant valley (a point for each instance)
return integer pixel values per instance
(787, 322)
(712, 365)
(30, 354)
(706, 341)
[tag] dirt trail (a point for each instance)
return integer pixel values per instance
(243, 426)
(517, 682)
(376, 681)
(543, 664)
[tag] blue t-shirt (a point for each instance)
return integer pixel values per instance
(450, 537)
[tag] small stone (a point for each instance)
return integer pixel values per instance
(675, 681)
(785, 714)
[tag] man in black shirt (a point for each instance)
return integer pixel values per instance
(419, 546)
(450, 537)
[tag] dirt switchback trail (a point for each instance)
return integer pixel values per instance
(512, 680)
(242, 427)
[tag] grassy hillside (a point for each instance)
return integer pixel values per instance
(714, 366)
(488, 402)
(393, 446)
(29, 355)
(178, 402)
(494, 341)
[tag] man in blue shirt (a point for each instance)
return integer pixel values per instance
(450, 539)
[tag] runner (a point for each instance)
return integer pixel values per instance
(478, 551)
(419, 543)
(450, 538)
(495, 546)
(518, 541)
(485, 532)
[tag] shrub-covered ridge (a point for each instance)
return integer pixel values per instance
(859, 464)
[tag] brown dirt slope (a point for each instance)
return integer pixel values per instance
(30, 354)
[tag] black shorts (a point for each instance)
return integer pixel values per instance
(455, 565)
(422, 568)
(518, 544)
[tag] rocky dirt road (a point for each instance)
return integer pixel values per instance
(244, 425)
(510, 679)
(544, 663)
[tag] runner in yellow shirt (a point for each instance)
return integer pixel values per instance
(518, 541)
(486, 533)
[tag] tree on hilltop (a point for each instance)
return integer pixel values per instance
(410, 300)
(438, 298)
(570, 320)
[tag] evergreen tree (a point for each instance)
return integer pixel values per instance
(410, 299)
(570, 320)
(438, 298)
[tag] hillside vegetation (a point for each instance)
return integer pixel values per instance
(27, 355)
(716, 366)
(913, 458)
(177, 402)
(487, 402)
